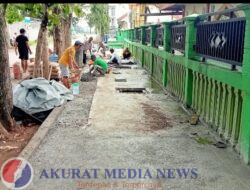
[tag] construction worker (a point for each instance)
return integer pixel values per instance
(115, 58)
(67, 61)
(87, 46)
(99, 65)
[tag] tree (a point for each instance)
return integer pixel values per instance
(100, 17)
(6, 97)
(5, 6)
(14, 13)
(90, 21)
(61, 21)
(42, 36)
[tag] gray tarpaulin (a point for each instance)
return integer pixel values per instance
(37, 95)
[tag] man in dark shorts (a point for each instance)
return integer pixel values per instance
(23, 48)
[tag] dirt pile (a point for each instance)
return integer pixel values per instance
(155, 119)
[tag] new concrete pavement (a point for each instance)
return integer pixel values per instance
(134, 133)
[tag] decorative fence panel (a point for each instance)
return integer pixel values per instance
(159, 36)
(176, 79)
(138, 35)
(178, 36)
(219, 95)
(148, 31)
(136, 53)
(218, 104)
(221, 40)
(158, 68)
(147, 60)
(140, 54)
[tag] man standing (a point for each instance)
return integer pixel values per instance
(67, 61)
(23, 47)
(87, 45)
(102, 49)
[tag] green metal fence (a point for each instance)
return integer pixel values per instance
(221, 96)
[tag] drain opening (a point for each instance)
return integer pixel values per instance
(131, 90)
(120, 80)
(116, 72)
(123, 67)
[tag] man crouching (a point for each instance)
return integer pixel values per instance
(98, 65)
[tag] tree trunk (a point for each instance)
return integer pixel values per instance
(54, 41)
(45, 56)
(3, 131)
(68, 40)
(7, 34)
(6, 97)
(6, 26)
(40, 41)
(38, 56)
(63, 33)
(58, 36)
(58, 40)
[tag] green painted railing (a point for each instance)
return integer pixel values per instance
(220, 96)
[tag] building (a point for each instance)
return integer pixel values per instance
(136, 9)
(143, 14)
(119, 17)
(210, 8)
(112, 16)
(198, 8)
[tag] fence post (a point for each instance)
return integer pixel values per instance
(143, 42)
(152, 44)
(166, 46)
(143, 35)
(153, 35)
(121, 32)
(245, 131)
(166, 36)
(189, 53)
(117, 35)
(135, 31)
(132, 34)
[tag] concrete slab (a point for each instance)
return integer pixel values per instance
(136, 131)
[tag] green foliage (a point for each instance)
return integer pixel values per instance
(90, 20)
(34, 10)
(14, 13)
(62, 11)
(17, 12)
(99, 18)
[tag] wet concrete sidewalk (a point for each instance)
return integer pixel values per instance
(132, 131)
